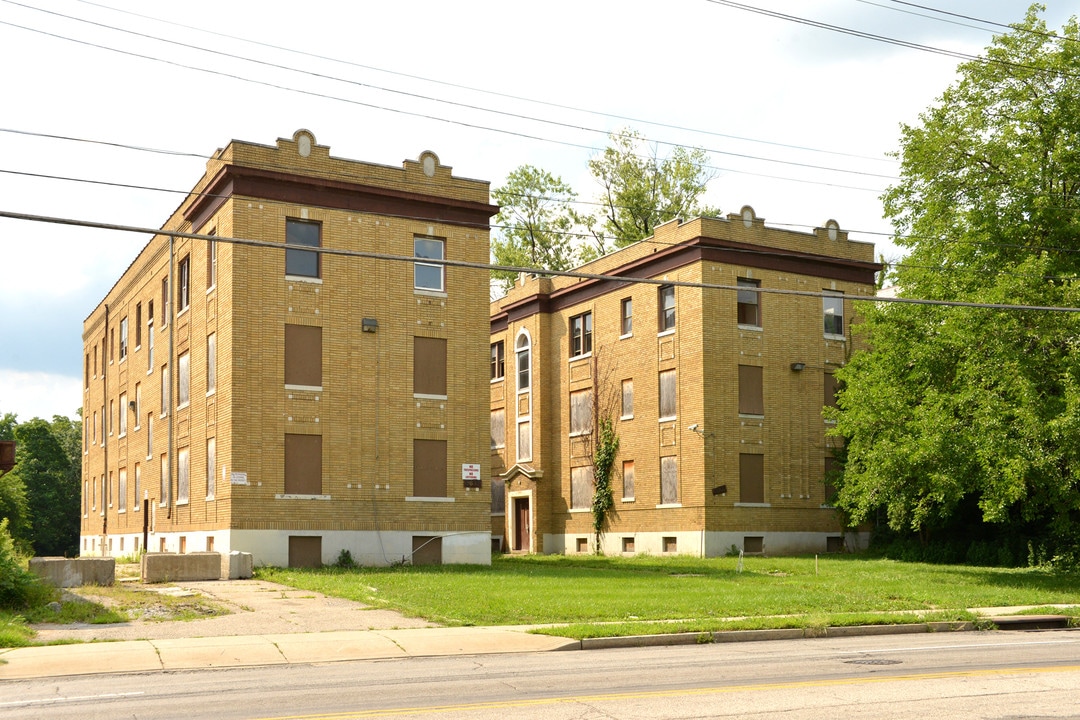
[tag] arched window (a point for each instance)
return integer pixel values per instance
(522, 348)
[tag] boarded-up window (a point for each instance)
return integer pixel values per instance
(751, 401)
(751, 478)
(183, 383)
(166, 484)
(627, 399)
(581, 487)
(498, 497)
(581, 412)
(303, 355)
(122, 492)
(211, 363)
(524, 441)
(498, 428)
(305, 551)
(429, 366)
(303, 464)
(667, 394)
(753, 544)
(748, 307)
(628, 479)
(183, 475)
(211, 468)
(426, 550)
(830, 390)
(429, 468)
(669, 480)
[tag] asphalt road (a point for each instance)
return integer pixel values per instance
(1030, 675)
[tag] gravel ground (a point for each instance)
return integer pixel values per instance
(255, 607)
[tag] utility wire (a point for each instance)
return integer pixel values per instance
(493, 93)
(467, 106)
(626, 280)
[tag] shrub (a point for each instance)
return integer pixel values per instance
(19, 588)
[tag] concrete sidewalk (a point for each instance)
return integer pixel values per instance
(247, 650)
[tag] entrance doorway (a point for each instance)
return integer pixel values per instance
(522, 527)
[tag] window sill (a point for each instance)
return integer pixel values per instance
(524, 459)
(183, 311)
(497, 380)
(123, 358)
(582, 356)
(626, 417)
(423, 396)
(753, 505)
(580, 433)
(121, 435)
(182, 502)
(832, 336)
(671, 418)
(300, 496)
(755, 328)
(121, 511)
(628, 500)
(211, 289)
(496, 448)
(303, 388)
(210, 393)
(665, 506)
(304, 279)
(751, 416)
(209, 498)
(429, 292)
(665, 333)
(183, 405)
(420, 498)
(498, 514)
(626, 336)
(579, 510)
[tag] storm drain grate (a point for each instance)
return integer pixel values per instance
(873, 661)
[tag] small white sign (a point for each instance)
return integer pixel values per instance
(239, 478)
(470, 471)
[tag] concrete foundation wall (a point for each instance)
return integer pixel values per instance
(74, 572)
(709, 544)
(167, 567)
(271, 547)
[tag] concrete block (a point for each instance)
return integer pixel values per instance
(170, 567)
(74, 572)
(237, 565)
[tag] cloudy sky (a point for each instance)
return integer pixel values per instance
(798, 119)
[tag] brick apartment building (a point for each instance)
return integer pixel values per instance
(287, 402)
(717, 394)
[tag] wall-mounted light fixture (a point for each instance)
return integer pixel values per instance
(798, 366)
(720, 490)
(131, 405)
(369, 325)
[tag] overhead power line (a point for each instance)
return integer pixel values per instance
(388, 257)
(493, 93)
(466, 106)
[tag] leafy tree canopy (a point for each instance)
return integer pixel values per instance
(954, 405)
(48, 465)
(535, 223)
(641, 190)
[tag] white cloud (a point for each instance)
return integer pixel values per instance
(38, 394)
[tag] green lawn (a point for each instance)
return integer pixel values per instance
(645, 594)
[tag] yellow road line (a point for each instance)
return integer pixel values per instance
(506, 704)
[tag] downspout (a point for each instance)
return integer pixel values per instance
(171, 310)
(105, 444)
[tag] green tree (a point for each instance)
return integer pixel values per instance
(642, 190)
(48, 461)
(958, 407)
(535, 223)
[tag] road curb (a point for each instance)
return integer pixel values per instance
(734, 636)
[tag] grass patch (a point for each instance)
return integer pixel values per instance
(134, 603)
(698, 594)
(14, 631)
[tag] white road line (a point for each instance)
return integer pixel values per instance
(76, 698)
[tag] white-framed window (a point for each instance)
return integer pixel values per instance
(498, 361)
(183, 378)
(428, 276)
(626, 317)
(211, 363)
(112, 417)
(123, 339)
(581, 335)
(301, 234)
(183, 289)
(150, 337)
(522, 350)
(748, 305)
(211, 262)
(149, 435)
(833, 310)
(666, 308)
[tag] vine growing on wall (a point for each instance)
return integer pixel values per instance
(607, 445)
